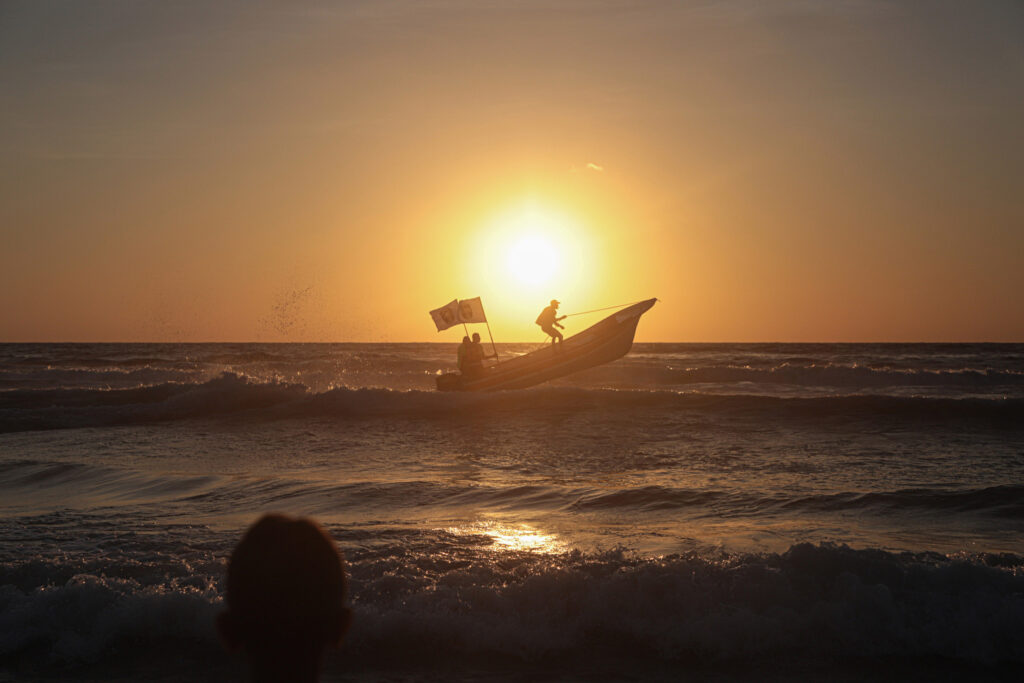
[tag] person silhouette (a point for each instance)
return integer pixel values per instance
(473, 361)
(285, 599)
(463, 352)
(478, 349)
(548, 321)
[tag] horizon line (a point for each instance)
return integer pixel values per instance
(538, 343)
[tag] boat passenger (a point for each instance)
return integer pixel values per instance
(548, 321)
(473, 361)
(461, 353)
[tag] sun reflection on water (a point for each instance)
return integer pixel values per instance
(512, 537)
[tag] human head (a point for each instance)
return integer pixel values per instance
(476, 337)
(555, 302)
(465, 340)
(285, 597)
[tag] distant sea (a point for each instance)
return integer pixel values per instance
(689, 512)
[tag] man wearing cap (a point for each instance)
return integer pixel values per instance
(548, 321)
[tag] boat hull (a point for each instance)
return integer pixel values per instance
(601, 343)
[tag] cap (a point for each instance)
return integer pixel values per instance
(555, 302)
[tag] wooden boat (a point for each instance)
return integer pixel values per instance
(600, 343)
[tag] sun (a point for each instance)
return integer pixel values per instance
(532, 260)
(524, 255)
(528, 243)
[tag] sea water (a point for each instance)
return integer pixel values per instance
(747, 511)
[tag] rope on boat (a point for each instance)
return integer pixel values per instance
(606, 308)
(596, 310)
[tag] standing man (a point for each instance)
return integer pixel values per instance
(548, 321)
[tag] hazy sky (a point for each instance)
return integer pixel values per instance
(330, 171)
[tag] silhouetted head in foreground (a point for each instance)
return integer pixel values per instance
(285, 599)
(476, 337)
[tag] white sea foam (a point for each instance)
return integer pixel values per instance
(817, 602)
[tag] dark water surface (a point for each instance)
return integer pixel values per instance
(761, 511)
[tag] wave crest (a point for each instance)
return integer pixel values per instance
(231, 395)
(814, 602)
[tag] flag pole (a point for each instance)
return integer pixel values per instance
(465, 328)
(493, 348)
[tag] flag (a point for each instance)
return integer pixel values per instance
(471, 311)
(447, 315)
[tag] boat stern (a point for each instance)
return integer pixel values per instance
(449, 381)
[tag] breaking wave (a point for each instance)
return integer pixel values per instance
(196, 492)
(818, 375)
(457, 603)
(231, 395)
(1001, 501)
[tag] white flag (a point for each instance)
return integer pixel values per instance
(447, 315)
(471, 311)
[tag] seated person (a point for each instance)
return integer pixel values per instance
(473, 361)
(461, 353)
(285, 599)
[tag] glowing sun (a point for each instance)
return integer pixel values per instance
(529, 253)
(532, 260)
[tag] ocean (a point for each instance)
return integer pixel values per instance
(769, 512)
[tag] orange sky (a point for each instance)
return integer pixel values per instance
(786, 171)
